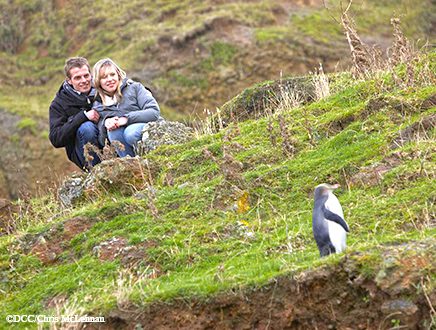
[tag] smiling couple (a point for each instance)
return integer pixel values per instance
(87, 110)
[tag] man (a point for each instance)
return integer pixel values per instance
(72, 121)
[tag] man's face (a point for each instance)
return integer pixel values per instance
(80, 79)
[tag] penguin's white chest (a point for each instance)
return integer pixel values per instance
(332, 204)
(337, 234)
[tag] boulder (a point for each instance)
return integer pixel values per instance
(163, 133)
(124, 175)
(262, 99)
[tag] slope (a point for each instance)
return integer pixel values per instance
(195, 55)
(197, 229)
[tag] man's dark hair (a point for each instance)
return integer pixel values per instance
(75, 62)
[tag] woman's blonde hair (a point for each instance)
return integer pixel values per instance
(107, 62)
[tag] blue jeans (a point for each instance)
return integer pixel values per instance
(87, 132)
(128, 136)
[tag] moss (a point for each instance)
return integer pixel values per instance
(271, 34)
(309, 25)
(221, 53)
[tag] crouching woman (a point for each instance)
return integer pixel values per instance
(124, 106)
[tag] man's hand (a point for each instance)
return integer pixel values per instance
(93, 115)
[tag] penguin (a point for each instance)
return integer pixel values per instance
(329, 227)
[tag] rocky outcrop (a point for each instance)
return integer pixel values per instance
(124, 175)
(164, 132)
(71, 190)
(263, 99)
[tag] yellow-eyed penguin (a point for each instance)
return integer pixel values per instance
(329, 227)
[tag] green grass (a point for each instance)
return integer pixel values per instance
(199, 245)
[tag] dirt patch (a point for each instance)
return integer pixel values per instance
(420, 130)
(339, 125)
(333, 297)
(110, 249)
(130, 256)
(48, 247)
(373, 174)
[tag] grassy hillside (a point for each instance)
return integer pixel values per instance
(230, 213)
(194, 55)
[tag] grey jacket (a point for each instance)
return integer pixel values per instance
(137, 104)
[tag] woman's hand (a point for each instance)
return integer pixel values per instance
(111, 123)
(115, 122)
(122, 121)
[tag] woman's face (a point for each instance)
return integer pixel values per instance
(109, 79)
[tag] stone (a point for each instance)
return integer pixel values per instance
(126, 175)
(71, 190)
(163, 132)
(399, 306)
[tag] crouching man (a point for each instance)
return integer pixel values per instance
(72, 121)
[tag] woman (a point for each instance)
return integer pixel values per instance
(124, 106)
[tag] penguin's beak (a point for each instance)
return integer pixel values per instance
(336, 186)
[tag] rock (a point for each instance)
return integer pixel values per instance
(71, 190)
(259, 100)
(163, 132)
(125, 175)
(399, 306)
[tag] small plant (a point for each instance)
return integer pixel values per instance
(231, 167)
(151, 192)
(287, 142)
(151, 201)
(212, 123)
(63, 309)
(124, 285)
(401, 50)
(395, 323)
(271, 133)
(321, 83)
(358, 49)
(286, 99)
(109, 151)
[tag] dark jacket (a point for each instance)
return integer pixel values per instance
(137, 104)
(66, 114)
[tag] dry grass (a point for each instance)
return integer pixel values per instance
(368, 61)
(109, 151)
(211, 124)
(321, 83)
